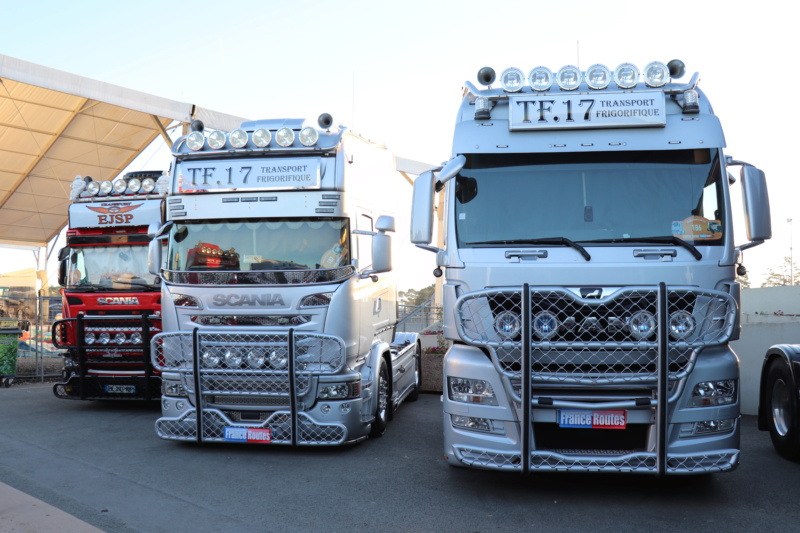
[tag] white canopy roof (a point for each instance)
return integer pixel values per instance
(55, 125)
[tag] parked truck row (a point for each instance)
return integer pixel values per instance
(585, 236)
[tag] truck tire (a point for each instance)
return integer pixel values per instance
(382, 412)
(780, 397)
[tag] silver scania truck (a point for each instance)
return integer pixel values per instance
(278, 304)
(586, 238)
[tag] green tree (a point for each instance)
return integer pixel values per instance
(782, 275)
(414, 297)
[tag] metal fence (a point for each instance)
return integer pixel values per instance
(419, 318)
(36, 356)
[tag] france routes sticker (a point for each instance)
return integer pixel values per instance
(580, 418)
(257, 435)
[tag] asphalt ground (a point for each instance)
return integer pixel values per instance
(88, 465)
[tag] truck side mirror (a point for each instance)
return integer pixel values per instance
(154, 257)
(756, 204)
(422, 210)
(381, 253)
(62, 272)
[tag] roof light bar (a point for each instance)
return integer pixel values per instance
(597, 77)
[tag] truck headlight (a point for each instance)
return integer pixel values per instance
(713, 393)
(476, 391)
(173, 388)
(339, 391)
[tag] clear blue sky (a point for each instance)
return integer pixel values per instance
(393, 71)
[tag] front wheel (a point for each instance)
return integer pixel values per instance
(382, 411)
(783, 416)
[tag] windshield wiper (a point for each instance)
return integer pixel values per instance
(133, 282)
(563, 241)
(666, 239)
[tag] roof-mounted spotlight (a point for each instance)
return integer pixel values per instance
(676, 68)
(325, 121)
(486, 76)
(541, 79)
(512, 79)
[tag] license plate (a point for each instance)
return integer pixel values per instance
(120, 389)
(590, 419)
(256, 435)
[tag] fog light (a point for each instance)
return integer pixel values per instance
(325, 408)
(471, 423)
(507, 324)
(344, 408)
(642, 325)
(713, 426)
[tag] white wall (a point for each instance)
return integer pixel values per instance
(769, 316)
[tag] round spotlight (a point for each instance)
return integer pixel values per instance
(308, 136)
(195, 141)
(93, 187)
(89, 338)
(681, 325)
(284, 137)
(104, 338)
(656, 74)
(626, 76)
(255, 359)
(512, 79)
(642, 325)
(216, 140)
(541, 79)
(148, 185)
(278, 361)
(545, 325)
(238, 138)
(233, 358)
(598, 76)
(134, 185)
(507, 324)
(211, 358)
(262, 137)
(119, 338)
(120, 186)
(569, 78)
(136, 337)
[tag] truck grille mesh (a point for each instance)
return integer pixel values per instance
(595, 341)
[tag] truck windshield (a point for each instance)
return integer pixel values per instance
(259, 244)
(110, 268)
(590, 198)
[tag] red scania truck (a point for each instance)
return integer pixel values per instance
(111, 302)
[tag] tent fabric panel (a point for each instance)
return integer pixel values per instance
(34, 117)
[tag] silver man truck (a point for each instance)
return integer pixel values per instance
(278, 304)
(586, 239)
